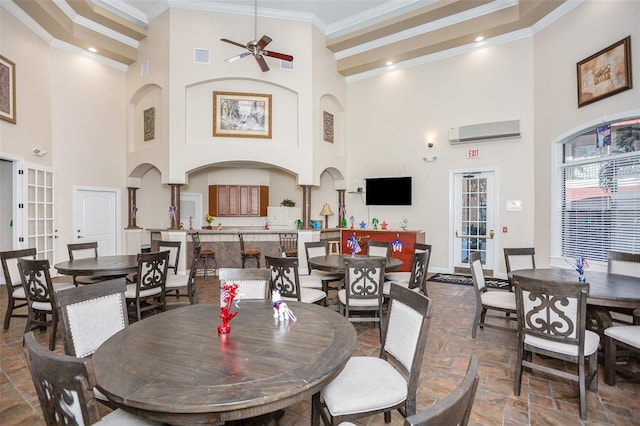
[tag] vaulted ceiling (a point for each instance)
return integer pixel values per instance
(365, 35)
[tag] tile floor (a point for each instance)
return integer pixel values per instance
(449, 345)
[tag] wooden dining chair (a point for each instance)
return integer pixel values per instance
(205, 255)
(17, 298)
(489, 300)
(64, 385)
(622, 263)
(83, 251)
(42, 309)
(552, 323)
(253, 283)
(148, 292)
(627, 338)
(416, 278)
(321, 248)
(357, 392)
(519, 258)
(289, 243)
(285, 279)
(404, 276)
(362, 295)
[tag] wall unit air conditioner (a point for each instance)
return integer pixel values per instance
(485, 132)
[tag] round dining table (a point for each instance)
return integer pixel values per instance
(104, 266)
(175, 368)
(335, 262)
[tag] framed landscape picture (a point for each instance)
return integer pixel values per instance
(7, 90)
(242, 115)
(605, 73)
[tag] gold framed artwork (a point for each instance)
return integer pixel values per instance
(7, 90)
(327, 126)
(605, 73)
(149, 124)
(242, 115)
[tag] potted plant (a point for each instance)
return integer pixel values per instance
(288, 203)
(209, 219)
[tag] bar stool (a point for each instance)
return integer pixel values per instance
(248, 254)
(205, 254)
(334, 247)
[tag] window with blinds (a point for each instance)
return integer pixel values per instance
(600, 196)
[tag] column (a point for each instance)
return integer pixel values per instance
(341, 207)
(306, 206)
(132, 208)
(175, 205)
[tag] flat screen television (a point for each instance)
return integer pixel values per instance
(388, 191)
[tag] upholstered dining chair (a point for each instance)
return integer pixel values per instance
(205, 255)
(40, 292)
(148, 292)
(83, 251)
(626, 337)
(285, 279)
(455, 408)
(379, 248)
(551, 322)
(501, 301)
(17, 298)
(248, 253)
(622, 263)
(253, 283)
(321, 248)
(417, 278)
(405, 276)
(65, 384)
(180, 283)
(357, 392)
(362, 295)
(519, 258)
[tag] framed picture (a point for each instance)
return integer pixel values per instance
(605, 73)
(7, 90)
(327, 126)
(149, 124)
(242, 115)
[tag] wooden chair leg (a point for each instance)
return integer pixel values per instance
(609, 361)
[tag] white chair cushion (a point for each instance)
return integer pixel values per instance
(120, 417)
(342, 296)
(629, 334)
(365, 384)
(175, 282)
(18, 293)
(41, 306)
(310, 281)
(57, 286)
(591, 341)
(499, 299)
(386, 290)
(327, 276)
(398, 276)
(131, 291)
(308, 295)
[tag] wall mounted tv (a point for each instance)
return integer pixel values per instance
(388, 191)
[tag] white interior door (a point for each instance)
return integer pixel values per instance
(474, 198)
(96, 218)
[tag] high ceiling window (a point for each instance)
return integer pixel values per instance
(599, 201)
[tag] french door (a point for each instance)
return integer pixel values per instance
(39, 229)
(474, 198)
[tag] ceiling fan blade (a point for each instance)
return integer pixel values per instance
(235, 58)
(277, 55)
(262, 43)
(263, 64)
(234, 43)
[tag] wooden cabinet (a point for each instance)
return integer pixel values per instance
(409, 238)
(238, 200)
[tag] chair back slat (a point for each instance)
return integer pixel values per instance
(419, 268)
(36, 280)
(82, 250)
(152, 270)
(379, 248)
(519, 258)
(253, 283)
(284, 276)
(9, 260)
(477, 273)
(174, 253)
(364, 277)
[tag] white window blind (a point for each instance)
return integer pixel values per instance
(600, 196)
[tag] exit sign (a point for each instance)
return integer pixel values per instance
(473, 153)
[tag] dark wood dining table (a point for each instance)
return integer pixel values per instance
(104, 266)
(335, 262)
(174, 367)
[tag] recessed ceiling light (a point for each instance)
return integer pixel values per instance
(92, 49)
(479, 38)
(389, 63)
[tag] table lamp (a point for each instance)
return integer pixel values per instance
(326, 212)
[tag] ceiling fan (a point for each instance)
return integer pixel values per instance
(256, 47)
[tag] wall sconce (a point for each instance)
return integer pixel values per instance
(430, 144)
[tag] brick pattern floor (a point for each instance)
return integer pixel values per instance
(542, 401)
